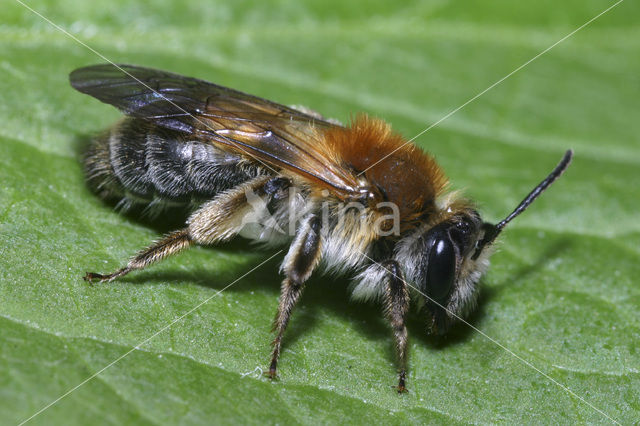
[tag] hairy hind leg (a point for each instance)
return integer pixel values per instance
(217, 220)
(171, 244)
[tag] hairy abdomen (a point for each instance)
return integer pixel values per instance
(136, 162)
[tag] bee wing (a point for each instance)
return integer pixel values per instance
(274, 134)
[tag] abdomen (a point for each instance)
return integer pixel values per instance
(136, 162)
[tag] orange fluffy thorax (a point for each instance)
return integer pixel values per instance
(406, 175)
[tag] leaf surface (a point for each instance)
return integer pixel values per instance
(562, 292)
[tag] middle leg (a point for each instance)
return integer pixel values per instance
(298, 265)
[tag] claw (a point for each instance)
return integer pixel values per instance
(272, 370)
(401, 389)
(90, 276)
(271, 374)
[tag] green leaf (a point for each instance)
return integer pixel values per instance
(562, 293)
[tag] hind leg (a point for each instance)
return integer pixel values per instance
(171, 244)
(216, 221)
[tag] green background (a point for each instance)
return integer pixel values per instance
(562, 291)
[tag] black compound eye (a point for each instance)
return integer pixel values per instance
(441, 269)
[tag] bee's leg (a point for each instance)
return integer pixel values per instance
(302, 258)
(223, 217)
(396, 306)
(217, 220)
(172, 243)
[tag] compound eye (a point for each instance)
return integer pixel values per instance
(441, 269)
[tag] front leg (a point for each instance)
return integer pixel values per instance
(396, 306)
(303, 257)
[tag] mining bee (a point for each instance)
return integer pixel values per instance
(356, 198)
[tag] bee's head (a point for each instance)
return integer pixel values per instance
(445, 261)
(445, 269)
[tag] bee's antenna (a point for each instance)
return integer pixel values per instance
(555, 174)
(492, 231)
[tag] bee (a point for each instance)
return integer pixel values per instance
(355, 199)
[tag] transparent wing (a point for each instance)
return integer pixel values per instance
(256, 128)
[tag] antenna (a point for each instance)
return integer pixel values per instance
(492, 231)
